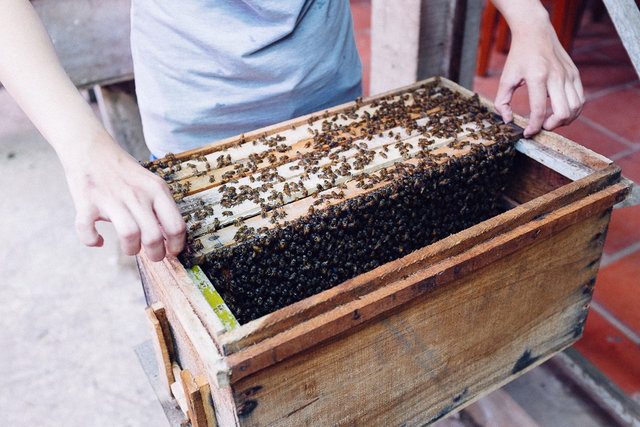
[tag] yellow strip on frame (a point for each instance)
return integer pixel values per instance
(213, 297)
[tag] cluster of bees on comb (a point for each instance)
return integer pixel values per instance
(275, 217)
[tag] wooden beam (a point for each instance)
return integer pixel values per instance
(626, 18)
(162, 343)
(198, 398)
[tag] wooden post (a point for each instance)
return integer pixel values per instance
(626, 18)
(412, 40)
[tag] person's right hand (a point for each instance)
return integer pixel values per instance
(109, 185)
(105, 182)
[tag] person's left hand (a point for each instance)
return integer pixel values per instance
(537, 59)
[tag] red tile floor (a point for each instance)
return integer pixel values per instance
(609, 125)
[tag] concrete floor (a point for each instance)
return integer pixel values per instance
(69, 315)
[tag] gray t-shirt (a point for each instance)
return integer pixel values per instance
(207, 70)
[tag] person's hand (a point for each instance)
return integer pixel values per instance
(108, 185)
(105, 182)
(537, 59)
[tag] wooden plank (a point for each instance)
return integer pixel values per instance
(160, 344)
(91, 38)
(544, 156)
(350, 315)
(195, 403)
(634, 196)
(121, 117)
(287, 317)
(576, 156)
(178, 275)
(442, 350)
(626, 18)
(205, 392)
(461, 41)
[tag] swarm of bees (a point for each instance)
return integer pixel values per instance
(399, 207)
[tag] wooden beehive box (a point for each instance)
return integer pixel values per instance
(419, 337)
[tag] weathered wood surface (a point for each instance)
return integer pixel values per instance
(387, 298)
(91, 38)
(626, 18)
(205, 393)
(470, 312)
(197, 393)
(412, 40)
(194, 347)
(524, 187)
(448, 345)
(247, 394)
(162, 342)
(461, 50)
(281, 320)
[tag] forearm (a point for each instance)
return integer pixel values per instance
(105, 182)
(31, 72)
(522, 15)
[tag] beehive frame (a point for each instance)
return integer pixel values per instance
(422, 336)
(275, 218)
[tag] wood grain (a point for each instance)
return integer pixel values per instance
(345, 317)
(626, 18)
(279, 321)
(197, 412)
(531, 180)
(420, 337)
(163, 347)
(205, 392)
(194, 347)
(444, 348)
